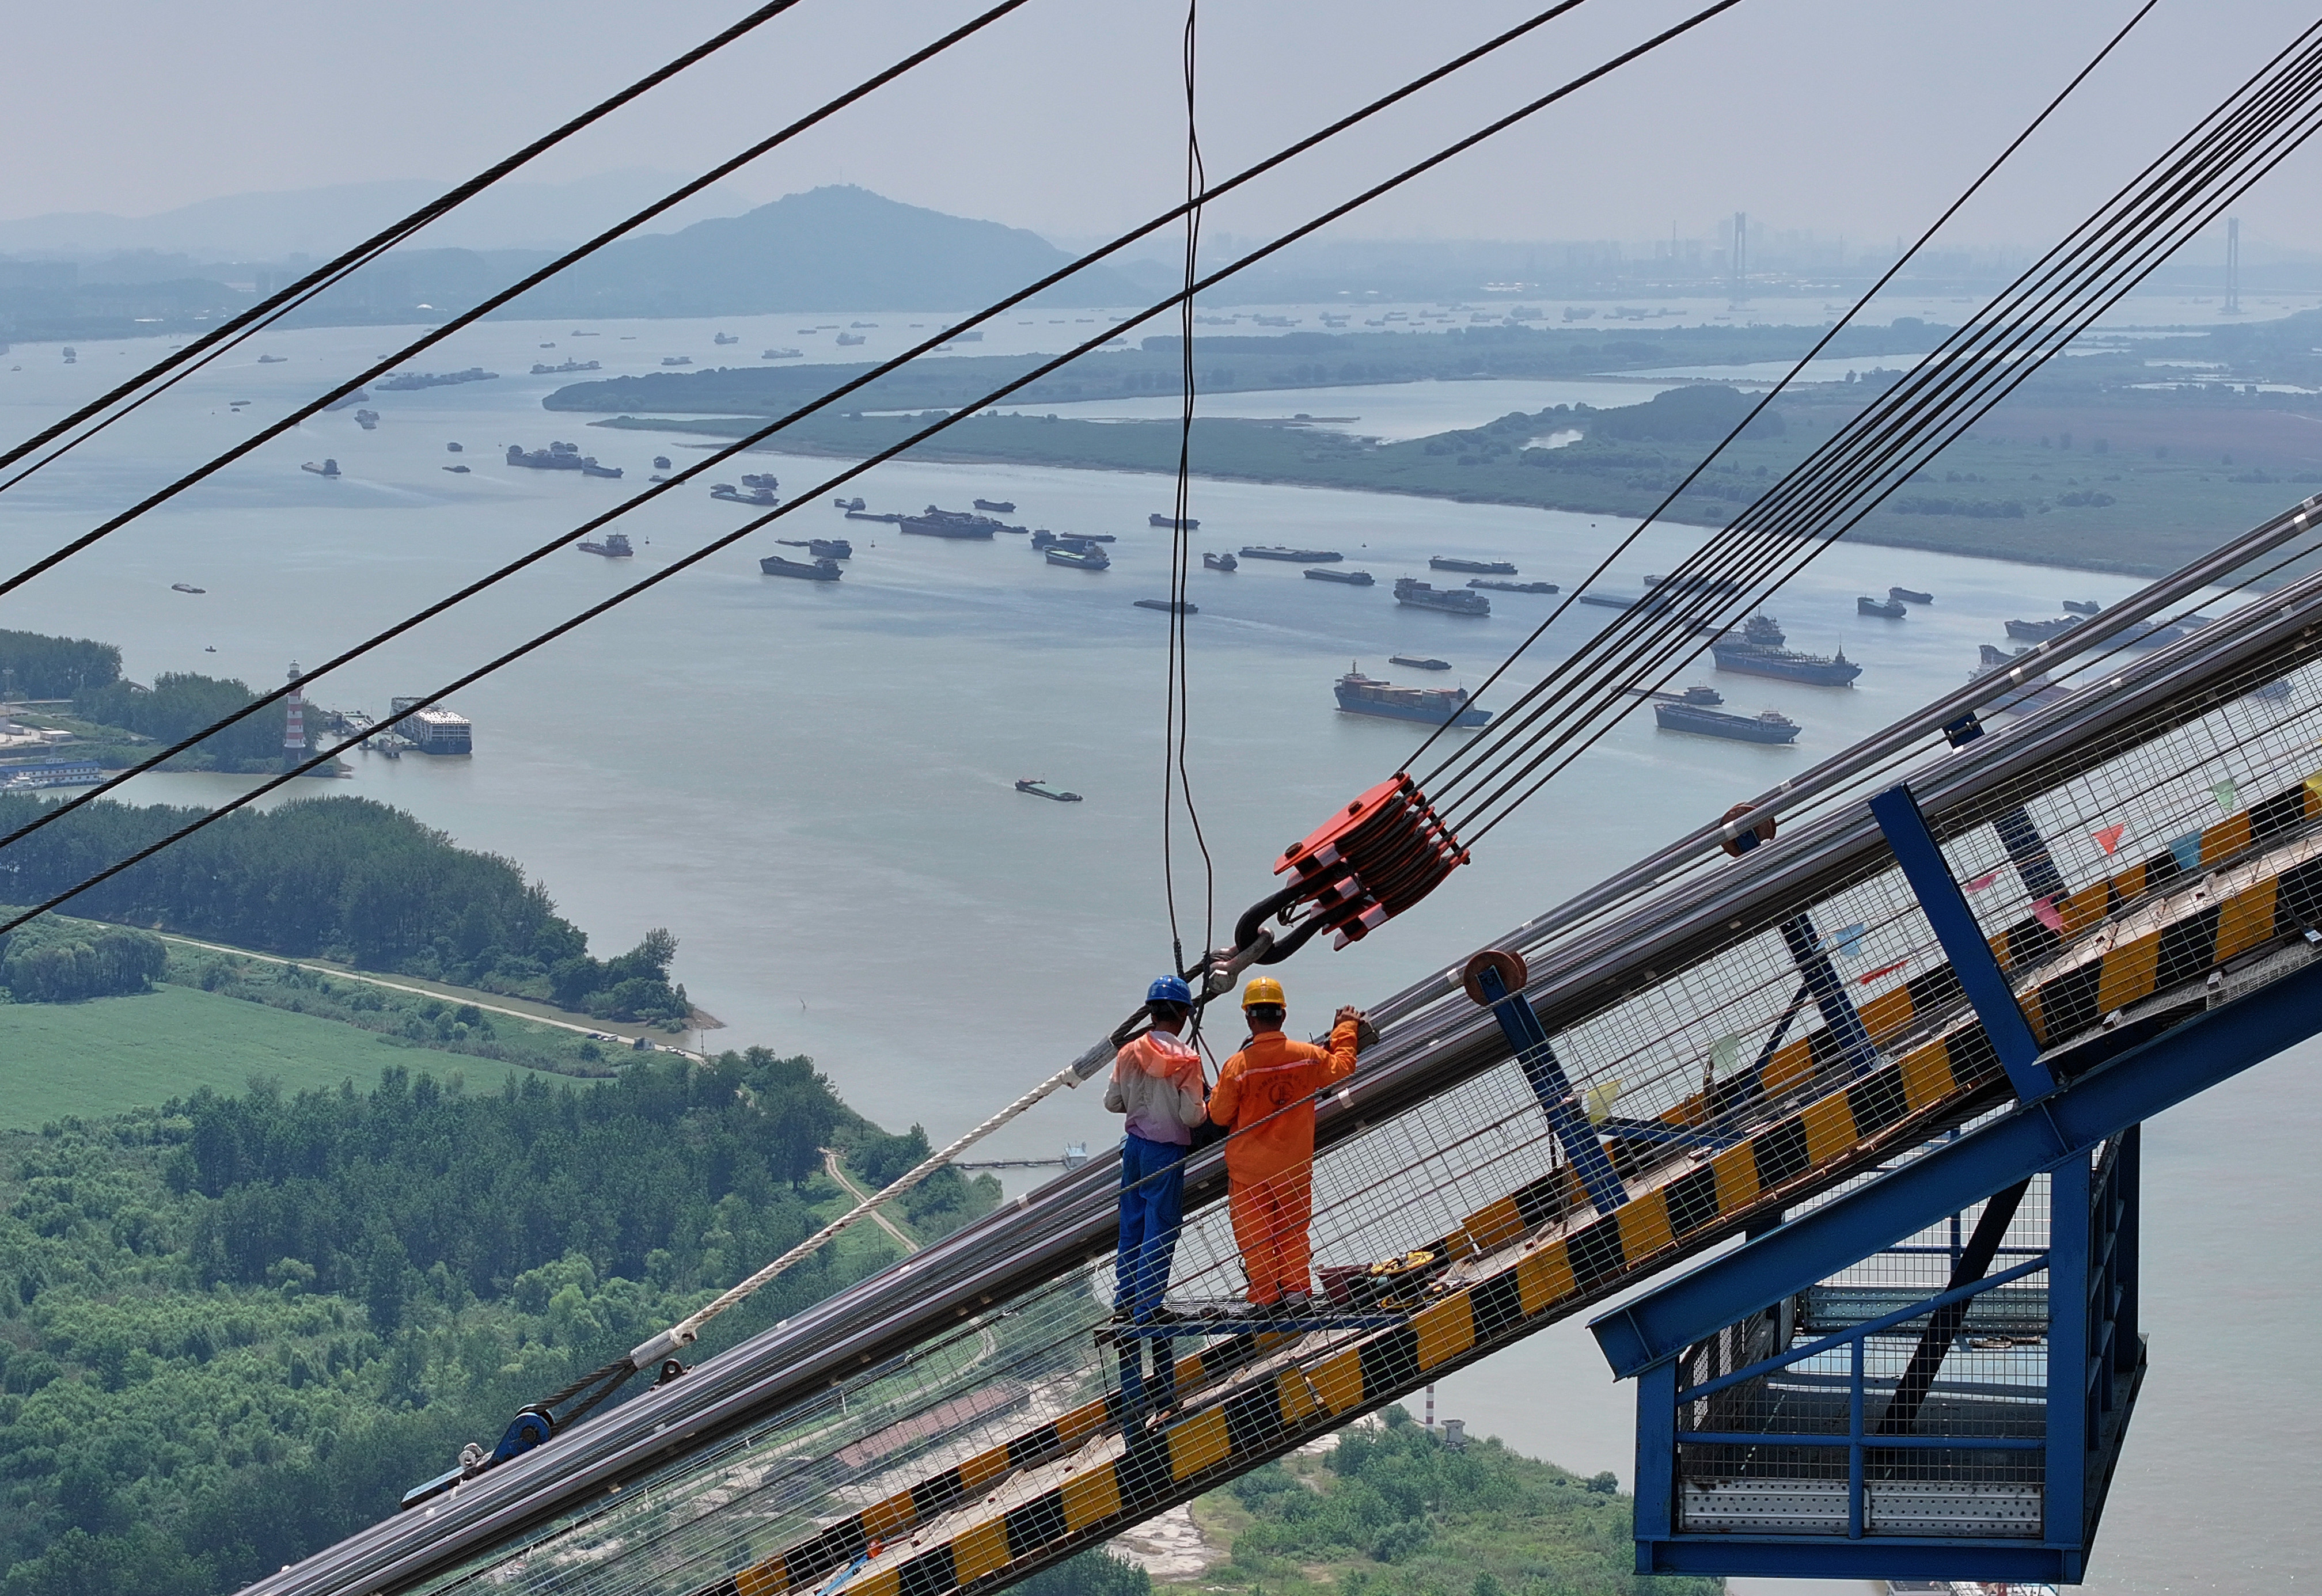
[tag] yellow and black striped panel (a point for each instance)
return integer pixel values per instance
(1264, 1419)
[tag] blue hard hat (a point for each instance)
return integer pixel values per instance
(1169, 989)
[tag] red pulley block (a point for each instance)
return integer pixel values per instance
(1375, 859)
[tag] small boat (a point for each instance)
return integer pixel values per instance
(186, 588)
(1038, 786)
(453, 449)
(457, 471)
(367, 419)
(1178, 607)
(998, 506)
(1418, 662)
(2040, 631)
(1296, 556)
(1188, 525)
(813, 570)
(1078, 558)
(1352, 578)
(847, 504)
(272, 360)
(616, 546)
(1910, 596)
(661, 462)
(1487, 568)
(1886, 609)
(1766, 726)
(1513, 587)
(2081, 606)
(1219, 562)
(209, 648)
(329, 468)
(821, 548)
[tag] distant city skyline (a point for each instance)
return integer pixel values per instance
(1854, 120)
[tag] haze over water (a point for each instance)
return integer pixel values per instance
(812, 785)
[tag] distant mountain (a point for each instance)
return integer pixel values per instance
(829, 249)
(322, 222)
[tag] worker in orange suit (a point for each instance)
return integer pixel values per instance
(1265, 1097)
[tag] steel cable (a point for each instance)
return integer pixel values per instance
(911, 441)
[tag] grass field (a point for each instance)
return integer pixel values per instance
(112, 1054)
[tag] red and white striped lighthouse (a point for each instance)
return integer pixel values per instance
(294, 723)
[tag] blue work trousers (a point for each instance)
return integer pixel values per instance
(1152, 1211)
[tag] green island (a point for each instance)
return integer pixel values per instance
(2111, 460)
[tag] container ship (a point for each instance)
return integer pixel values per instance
(1483, 568)
(1457, 601)
(1352, 578)
(1295, 556)
(1364, 695)
(1780, 663)
(1766, 726)
(825, 569)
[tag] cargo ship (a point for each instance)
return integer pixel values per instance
(559, 369)
(1045, 539)
(998, 506)
(821, 548)
(1696, 584)
(2040, 631)
(2035, 692)
(1752, 659)
(860, 515)
(1352, 578)
(1764, 631)
(1079, 559)
(1169, 606)
(1910, 596)
(367, 419)
(186, 588)
(1766, 726)
(849, 339)
(783, 354)
(661, 463)
(1219, 562)
(725, 338)
(847, 504)
(1188, 525)
(1513, 587)
(453, 449)
(1700, 696)
(1418, 662)
(1651, 606)
(951, 524)
(329, 468)
(1457, 601)
(677, 359)
(1295, 556)
(559, 457)
(616, 546)
(732, 495)
(1484, 567)
(2081, 606)
(807, 571)
(1365, 694)
(404, 382)
(1038, 786)
(1886, 609)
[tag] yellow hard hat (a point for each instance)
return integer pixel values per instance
(1263, 988)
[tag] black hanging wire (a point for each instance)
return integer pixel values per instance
(475, 313)
(238, 329)
(711, 462)
(1282, 242)
(1791, 376)
(1998, 369)
(1178, 695)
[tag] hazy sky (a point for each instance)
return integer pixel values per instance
(1853, 116)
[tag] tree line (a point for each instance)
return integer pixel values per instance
(181, 703)
(235, 1328)
(34, 666)
(338, 878)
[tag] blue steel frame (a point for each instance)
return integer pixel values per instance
(2096, 1362)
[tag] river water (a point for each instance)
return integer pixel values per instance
(812, 785)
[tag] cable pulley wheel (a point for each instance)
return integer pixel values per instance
(1511, 966)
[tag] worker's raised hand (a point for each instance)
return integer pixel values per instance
(1348, 1011)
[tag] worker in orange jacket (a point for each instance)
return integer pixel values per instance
(1265, 1097)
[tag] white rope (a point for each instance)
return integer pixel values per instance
(686, 1331)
